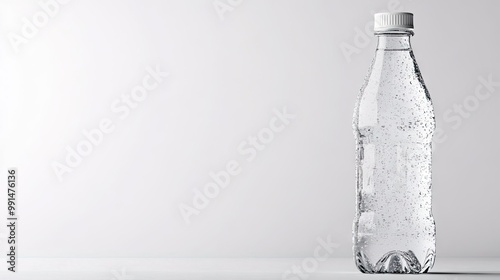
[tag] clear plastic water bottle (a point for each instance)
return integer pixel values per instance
(394, 230)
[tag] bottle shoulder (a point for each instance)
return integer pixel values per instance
(394, 98)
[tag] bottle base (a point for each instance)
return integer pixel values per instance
(395, 262)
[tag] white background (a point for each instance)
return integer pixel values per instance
(228, 71)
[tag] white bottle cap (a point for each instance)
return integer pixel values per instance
(393, 22)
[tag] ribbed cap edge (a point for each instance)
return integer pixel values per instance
(393, 21)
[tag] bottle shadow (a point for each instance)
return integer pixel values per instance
(468, 273)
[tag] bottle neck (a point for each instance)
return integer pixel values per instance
(394, 41)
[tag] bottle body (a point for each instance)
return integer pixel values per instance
(394, 230)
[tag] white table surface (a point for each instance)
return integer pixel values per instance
(155, 268)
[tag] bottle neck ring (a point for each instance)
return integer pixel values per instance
(394, 40)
